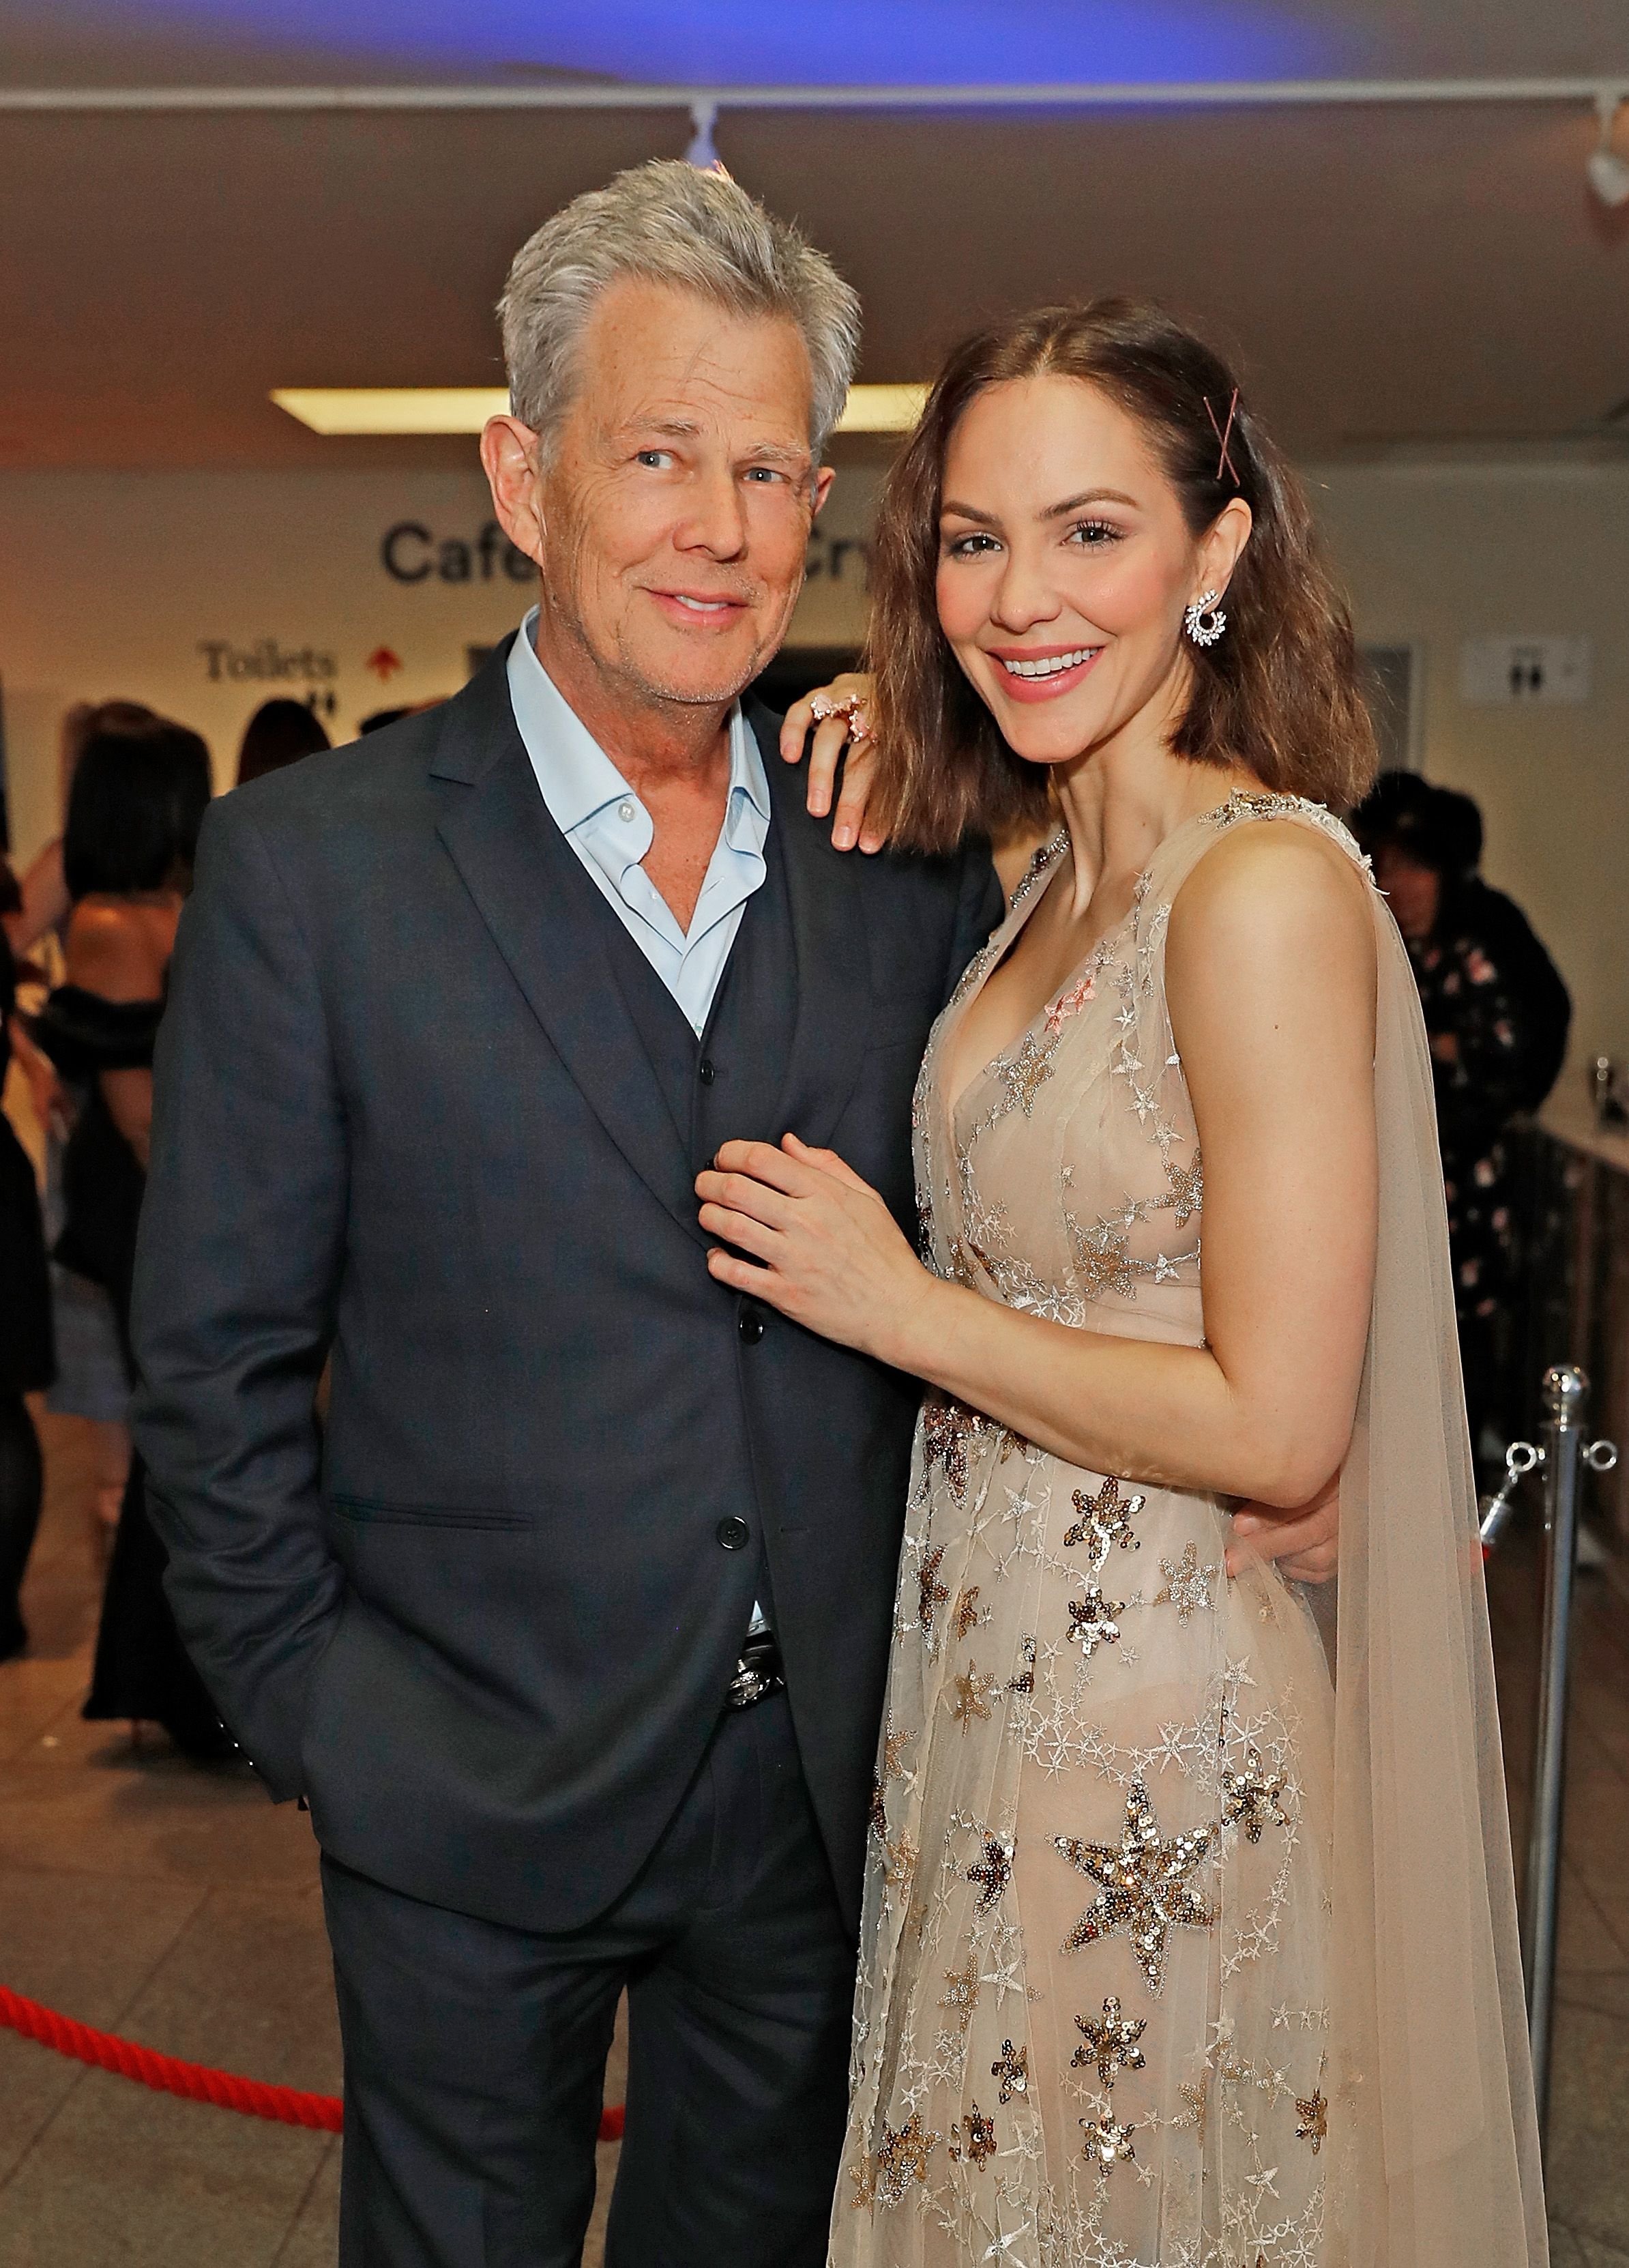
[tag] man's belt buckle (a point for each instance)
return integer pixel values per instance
(758, 1673)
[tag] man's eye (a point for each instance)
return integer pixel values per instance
(765, 473)
(658, 459)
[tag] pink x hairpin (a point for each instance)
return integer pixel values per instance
(1225, 434)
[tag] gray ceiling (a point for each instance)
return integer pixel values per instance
(1423, 277)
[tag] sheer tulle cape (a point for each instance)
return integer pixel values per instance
(1427, 2034)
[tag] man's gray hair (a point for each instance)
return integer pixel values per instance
(669, 223)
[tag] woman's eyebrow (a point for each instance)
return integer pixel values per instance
(951, 510)
(1087, 496)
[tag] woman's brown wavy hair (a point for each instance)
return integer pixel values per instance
(1278, 692)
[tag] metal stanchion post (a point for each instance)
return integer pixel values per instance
(1566, 1390)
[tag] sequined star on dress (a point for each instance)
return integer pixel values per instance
(1092, 2023)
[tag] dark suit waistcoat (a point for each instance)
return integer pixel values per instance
(421, 1103)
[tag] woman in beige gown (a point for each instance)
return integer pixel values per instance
(1177, 1950)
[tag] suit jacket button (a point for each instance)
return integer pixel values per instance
(706, 1071)
(751, 1327)
(734, 1535)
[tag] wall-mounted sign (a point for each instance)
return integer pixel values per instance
(410, 552)
(265, 661)
(836, 557)
(1495, 671)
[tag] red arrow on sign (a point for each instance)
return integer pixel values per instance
(383, 663)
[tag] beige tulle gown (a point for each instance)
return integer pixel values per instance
(1176, 1949)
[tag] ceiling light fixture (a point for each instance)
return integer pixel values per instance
(703, 151)
(421, 410)
(1608, 173)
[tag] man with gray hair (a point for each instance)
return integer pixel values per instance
(571, 1625)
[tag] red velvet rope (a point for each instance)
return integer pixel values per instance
(194, 2082)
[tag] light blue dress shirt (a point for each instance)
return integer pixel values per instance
(610, 829)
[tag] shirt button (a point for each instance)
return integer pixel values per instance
(751, 1327)
(706, 1071)
(733, 1535)
(627, 813)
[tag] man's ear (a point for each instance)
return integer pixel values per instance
(509, 454)
(823, 481)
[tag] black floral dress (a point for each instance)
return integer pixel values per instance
(1496, 1015)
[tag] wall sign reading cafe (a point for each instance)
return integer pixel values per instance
(410, 552)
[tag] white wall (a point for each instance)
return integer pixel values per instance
(204, 594)
(1443, 553)
(114, 584)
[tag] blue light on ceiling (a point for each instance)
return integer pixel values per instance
(701, 42)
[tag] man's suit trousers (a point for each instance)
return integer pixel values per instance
(475, 2054)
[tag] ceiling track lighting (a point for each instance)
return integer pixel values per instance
(1608, 174)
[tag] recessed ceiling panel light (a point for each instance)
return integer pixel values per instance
(405, 409)
(393, 409)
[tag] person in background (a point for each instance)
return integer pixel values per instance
(1497, 1015)
(26, 1358)
(133, 813)
(43, 905)
(92, 1383)
(280, 732)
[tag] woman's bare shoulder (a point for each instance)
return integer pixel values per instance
(1269, 880)
(120, 948)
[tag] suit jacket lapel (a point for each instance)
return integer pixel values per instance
(833, 1011)
(553, 929)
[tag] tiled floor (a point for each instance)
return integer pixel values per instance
(178, 1907)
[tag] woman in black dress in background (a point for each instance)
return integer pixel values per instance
(133, 819)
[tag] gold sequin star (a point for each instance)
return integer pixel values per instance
(1112, 2045)
(902, 2159)
(974, 1695)
(946, 1428)
(981, 2132)
(993, 1871)
(933, 1593)
(1251, 1798)
(1143, 1897)
(967, 1609)
(899, 1862)
(1027, 1071)
(1012, 2068)
(1103, 1261)
(1091, 1622)
(1187, 1584)
(1025, 1681)
(1107, 2142)
(894, 1746)
(1104, 1520)
(961, 1996)
(1187, 1188)
(1313, 2112)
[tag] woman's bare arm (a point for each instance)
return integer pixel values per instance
(119, 953)
(1271, 979)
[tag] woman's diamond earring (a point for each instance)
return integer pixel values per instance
(1204, 620)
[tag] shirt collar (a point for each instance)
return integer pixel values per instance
(576, 776)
